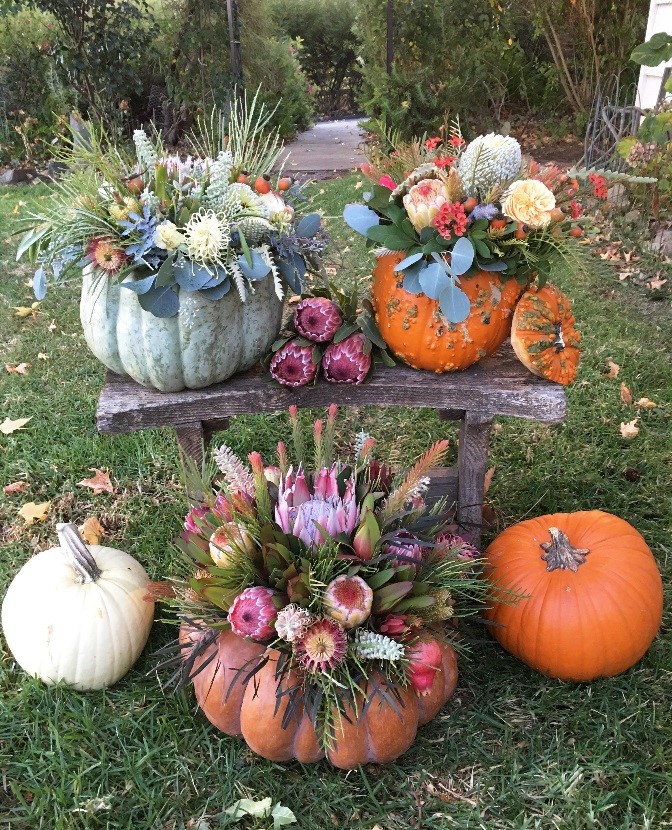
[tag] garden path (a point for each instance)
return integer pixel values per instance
(327, 149)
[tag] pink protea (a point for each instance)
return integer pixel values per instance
(322, 647)
(253, 614)
(292, 365)
(311, 515)
(196, 519)
(405, 549)
(454, 545)
(424, 662)
(348, 600)
(394, 625)
(348, 361)
(317, 319)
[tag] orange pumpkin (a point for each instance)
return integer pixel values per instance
(543, 334)
(379, 734)
(591, 596)
(416, 331)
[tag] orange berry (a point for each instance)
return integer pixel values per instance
(576, 231)
(469, 204)
(243, 178)
(285, 183)
(519, 233)
(135, 185)
(262, 184)
(498, 224)
(557, 215)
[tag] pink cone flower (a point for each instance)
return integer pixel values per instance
(253, 614)
(292, 365)
(347, 361)
(423, 201)
(348, 600)
(407, 550)
(322, 647)
(302, 513)
(317, 319)
(425, 660)
(229, 542)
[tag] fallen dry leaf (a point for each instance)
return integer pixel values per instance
(32, 512)
(15, 487)
(8, 426)
(100, 483)
(626, 394)
(488, 479)
(630, 430)
(27, 311)
(612, 368)
(52, 326)
(656, 285)
(19, 369)
(92, 531)
(42, 356)
(646, 403)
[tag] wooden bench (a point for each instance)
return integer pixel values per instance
(498, 385)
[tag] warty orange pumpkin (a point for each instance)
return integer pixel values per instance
(416, 331)
(543, 334)
(590, 594)
(242, 703)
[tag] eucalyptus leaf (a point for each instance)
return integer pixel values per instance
(432, 280)
(139, 286)
(190, 276)
(216, 292)
(165, 275)
(412, 277)
(409, 260)
(161, 302)
(293, 270)
(454, 303)
(309, 225)
(40, 284)
(360, 218)
(462, 256)
(259, 269)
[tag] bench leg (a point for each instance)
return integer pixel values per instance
(190, 440)
(472, 465)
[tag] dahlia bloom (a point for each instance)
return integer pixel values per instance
(253, 614)
(292, 365)
(309, 516)
(530, 202)
(347, 361)
(348, 600)
(423, 201)
(317, 319)
(322, 647)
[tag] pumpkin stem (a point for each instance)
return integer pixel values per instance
(559, 342)
(80, 556)
(560, 554)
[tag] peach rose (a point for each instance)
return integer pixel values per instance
(423, 201)
(529, 202)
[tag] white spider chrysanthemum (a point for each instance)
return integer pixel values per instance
(372, 646)
(487, 161)
(206, 237)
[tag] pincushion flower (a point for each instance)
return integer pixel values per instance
(253, 614)
(348, 600)
(322, 647)
(451, 219)
(530, 202)
(104, 254)
(167, 236)
(205, 237)
(423, 201)
(292, 622)
(121, 211)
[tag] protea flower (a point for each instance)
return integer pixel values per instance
(424, 200)
(394, 625)
(451, 543)
(424, 662)
(292, 622)
(292, 365)
(322, 647)
(348, 600)
(407, 548)
(311, 516)
(253, 614)
(347, 361)
(488, 160)
(317, 319)
(103, 253)
(229, 542)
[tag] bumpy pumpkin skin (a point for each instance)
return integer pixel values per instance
(597, 621)
(416, 331)
(379, 735)
(543, 335)
(205, 343)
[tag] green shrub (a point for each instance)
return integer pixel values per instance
(329, 47)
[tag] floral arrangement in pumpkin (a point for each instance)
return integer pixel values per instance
(454, 208)
(160, 223)
(337, 572)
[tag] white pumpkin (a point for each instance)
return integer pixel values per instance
(78, 614)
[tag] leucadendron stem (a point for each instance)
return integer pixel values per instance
(80, 556)
(560, 554)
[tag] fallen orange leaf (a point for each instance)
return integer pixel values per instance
(92, 531)
(100, 483)
(645, 403)
(15, 487)
(612, 368)
(626, 394)
(32, 512)
(19, 369)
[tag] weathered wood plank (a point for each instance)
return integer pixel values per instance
(494, 386)
(472, 464)
(442, 484)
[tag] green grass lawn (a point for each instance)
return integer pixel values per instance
(511, 749)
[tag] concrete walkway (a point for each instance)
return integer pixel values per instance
(329, 148)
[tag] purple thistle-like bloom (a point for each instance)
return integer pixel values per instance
(483, 212)
(292, 365)
(347, 361)
(317, 318)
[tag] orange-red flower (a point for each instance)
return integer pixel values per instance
(104, 254)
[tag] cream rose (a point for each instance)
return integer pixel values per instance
(530, 202)
(167, 236)
(423, 201)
